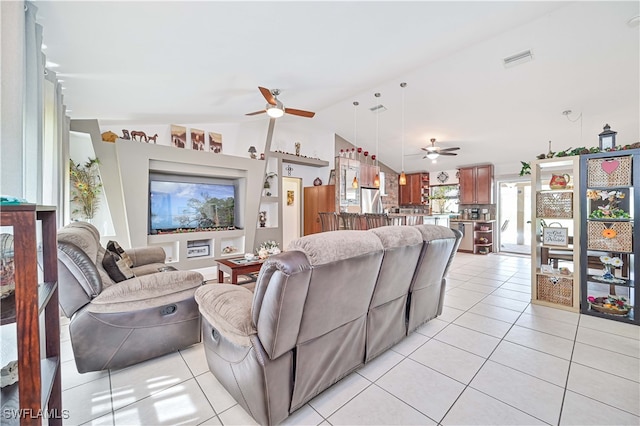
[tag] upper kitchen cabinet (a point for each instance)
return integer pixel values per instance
(411, 194)
(476, 184)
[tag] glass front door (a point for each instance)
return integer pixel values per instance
(515, 216)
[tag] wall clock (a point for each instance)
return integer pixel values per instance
(443, 177)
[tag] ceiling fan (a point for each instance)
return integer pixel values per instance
(275, 108)
(434, 151)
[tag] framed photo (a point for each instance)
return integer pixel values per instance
(197, 140)
(178, 136)
(332, 177)
(290, 198)
(555, 236)
(215, 142)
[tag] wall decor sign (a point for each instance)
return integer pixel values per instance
(215, 142)
(197, 140)
(555, 236)
(290, 198)
(178, 136)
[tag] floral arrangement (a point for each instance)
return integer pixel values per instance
(610, 304)
(229, 249)
(85, 187)
(267, 248)
(616, 262)
(611, 210)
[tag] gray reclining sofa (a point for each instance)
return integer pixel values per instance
(320, 310)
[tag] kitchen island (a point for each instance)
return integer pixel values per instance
(419, 219)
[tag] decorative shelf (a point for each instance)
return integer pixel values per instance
(295, 159)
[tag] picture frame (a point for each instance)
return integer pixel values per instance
(555, 236)
(215, 142)
(178, 136)
(332, 177)
(197, 140)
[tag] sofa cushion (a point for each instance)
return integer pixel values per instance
(327, 247)
(116, 267)
(227, 308)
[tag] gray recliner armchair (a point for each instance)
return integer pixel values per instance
(117, 324)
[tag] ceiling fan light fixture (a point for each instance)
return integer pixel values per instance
(275, 111)
(432, 155)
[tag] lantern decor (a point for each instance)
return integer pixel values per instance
(607, 138)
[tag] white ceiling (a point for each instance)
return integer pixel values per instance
(157, 62)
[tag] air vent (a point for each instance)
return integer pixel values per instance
(518, 58)
(378, 108)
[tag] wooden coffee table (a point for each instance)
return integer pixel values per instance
(237, 266)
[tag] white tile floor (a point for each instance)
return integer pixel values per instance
(491, 358)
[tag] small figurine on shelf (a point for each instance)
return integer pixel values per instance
(262, 218)
(252, 152)
(297, 145)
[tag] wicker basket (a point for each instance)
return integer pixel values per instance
(557, 205)
(616, 172)
(554, 289)
(610, 236)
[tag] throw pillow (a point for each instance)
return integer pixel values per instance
(115, 248)
(116, 267)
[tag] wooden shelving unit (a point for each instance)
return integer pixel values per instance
(39, 385)
(552, 287)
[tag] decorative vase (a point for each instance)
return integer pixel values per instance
(607, 272)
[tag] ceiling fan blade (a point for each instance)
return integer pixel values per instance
(449, 149)
(300, 112)
(257, 112)
(431, 149)
(267, 95)
(448, 153)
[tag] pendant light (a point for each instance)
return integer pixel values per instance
(354, 184)
(403, 177)
(376, 179)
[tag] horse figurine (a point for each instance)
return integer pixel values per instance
(141, 135)
(153, 138)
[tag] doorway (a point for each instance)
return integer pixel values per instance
(514, 216)
(291, 210)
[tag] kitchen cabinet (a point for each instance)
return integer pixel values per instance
(555, 229)
(39, 384)
(476, 184)
(368, 174)
(416, 191)
(610, 181)
(317, 199)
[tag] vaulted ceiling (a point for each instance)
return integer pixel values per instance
(157, 62)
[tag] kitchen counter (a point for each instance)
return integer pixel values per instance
(423, 218)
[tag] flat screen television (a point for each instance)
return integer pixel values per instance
(188, 203)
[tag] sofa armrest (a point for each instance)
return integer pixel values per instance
(147, 291)
(227, 308)
(146, 255)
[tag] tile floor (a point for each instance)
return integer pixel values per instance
(491, 358)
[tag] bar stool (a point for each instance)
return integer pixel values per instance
(329, 221)
(376, 220)
(397, 220)
(350, 220)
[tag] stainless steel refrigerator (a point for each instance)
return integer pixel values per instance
(370, 201)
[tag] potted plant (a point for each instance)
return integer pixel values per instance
(267, 183)
(86, 187)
